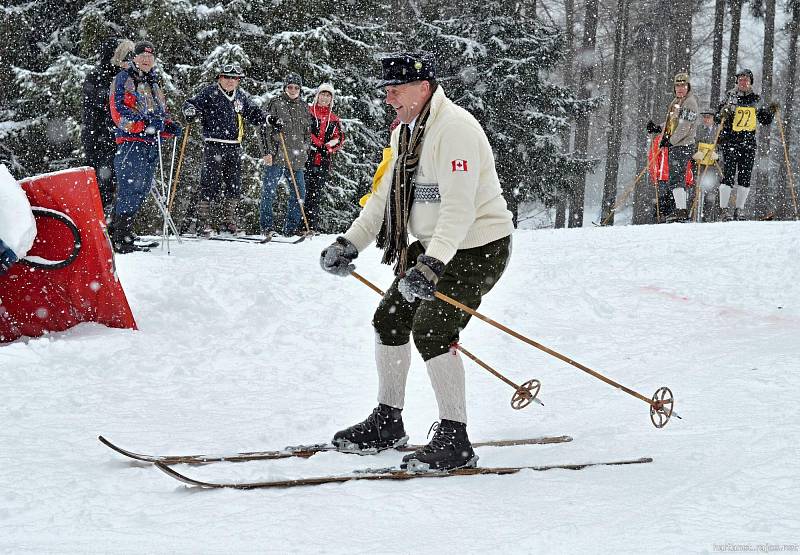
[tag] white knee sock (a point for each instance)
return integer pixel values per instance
(679, 194)
(724, 195)
(447, 378)
(741, 195)
(393, 363)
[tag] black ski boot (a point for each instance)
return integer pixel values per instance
(383, 429)
(449, 449)
(123, 238)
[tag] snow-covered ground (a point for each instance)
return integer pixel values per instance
(248, 347)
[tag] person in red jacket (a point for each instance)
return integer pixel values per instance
(327, 137)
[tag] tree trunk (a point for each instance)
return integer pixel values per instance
(733, 44)
(643, 48)
(761, 193)
(569, 82)
(588, 59)
(615, 119)
(663, 92)
(681, 39)
(785, 208)
(716, 63)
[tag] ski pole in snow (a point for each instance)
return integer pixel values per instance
(788, 166)
(661, 404)
(294, 181)
(524, 394)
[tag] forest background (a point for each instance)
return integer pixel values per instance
(563, 87)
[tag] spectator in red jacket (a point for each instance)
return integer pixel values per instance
(327, 137)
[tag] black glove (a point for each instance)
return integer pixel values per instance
(190, 112)
(664, 142)
(727, 111)
(7, 258)
(652, 127)
(275, 122)
(173, 128)
(773, 107)
(337, 258)
(421, 280)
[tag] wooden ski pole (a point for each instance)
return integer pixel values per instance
(294, 181)
(788, 165)
(661, 404)
(174, 187)
(523, 394)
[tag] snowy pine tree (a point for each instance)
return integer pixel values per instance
(494, 60)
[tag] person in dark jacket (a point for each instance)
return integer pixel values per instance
(296, 131)
(222, 109)
(97, 129)
(327, 138)
(738, 115)
(139, 111)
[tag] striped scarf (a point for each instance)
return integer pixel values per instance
(393, 236)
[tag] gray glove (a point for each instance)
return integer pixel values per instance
(420, 281)
(338, 257)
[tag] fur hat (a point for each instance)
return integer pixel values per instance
(123, 53)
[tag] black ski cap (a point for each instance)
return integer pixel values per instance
(406, 67)
(745, 72)
(293, 79)
(144, 46)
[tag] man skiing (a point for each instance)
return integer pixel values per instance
(139, 111)
(738, 115)
(222, 108)
(442, 187)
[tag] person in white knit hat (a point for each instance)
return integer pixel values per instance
(327, 138)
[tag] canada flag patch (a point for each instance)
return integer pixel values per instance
(459, 165)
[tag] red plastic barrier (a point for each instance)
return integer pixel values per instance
(34, 301)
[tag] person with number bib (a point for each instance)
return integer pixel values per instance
(739, 114)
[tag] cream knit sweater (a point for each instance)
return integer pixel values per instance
(459, 203)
